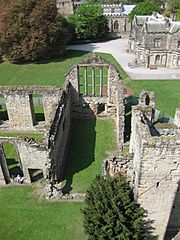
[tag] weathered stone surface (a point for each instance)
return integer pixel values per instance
(156, 166)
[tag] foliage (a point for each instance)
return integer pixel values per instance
(111, 212)
(144, 8)
(89, 22)
(33, 30)
(178, 15)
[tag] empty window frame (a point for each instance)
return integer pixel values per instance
(3, 110)
(178, 44)
(93, 81)
(37, 108)
(116, 26)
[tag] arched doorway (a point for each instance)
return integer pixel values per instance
(116, 26)
(157, 60)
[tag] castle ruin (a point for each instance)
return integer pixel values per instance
(93, 89)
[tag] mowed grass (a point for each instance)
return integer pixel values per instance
(37, 136)
(23, 217)
(90, 140)
(44, 73)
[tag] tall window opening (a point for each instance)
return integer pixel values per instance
(116, 26)
(37, 108)
(3, 110)
(93, 81)
(12, 160)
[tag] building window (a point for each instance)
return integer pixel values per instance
(174, 60)
(116, 25)
(178, 61)
(178, 44)
(157, 60)
(112, 10)
(157, 42)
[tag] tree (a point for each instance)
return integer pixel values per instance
(144, 8)
(32, 29)
(89, 22)
(110, 211)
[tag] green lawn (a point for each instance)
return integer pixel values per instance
(43, 74)
(35, 135)
(90, 139)
(23, 217)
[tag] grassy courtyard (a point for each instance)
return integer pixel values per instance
(23, 217)
(90, 140)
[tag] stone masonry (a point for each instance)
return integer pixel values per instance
(156, 164)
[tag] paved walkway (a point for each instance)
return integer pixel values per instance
(118, 48)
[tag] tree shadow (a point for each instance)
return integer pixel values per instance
(81, 149)
(66, 55)
(173, 226)
(147, 228)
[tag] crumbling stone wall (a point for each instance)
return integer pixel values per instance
(112, 99)
(58, 138)
(156, 165)
(20, 107)
(32, 155)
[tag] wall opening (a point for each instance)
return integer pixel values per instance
(116, 26)
(37, 108)
(3, 110)
(147, 100)
(157, 60)
(93, 81)
(35, 174)
(12, 160)
(101, 107)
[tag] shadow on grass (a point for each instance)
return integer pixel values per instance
(81, 149)
(39, 117)
(67, 54)
(13, 167)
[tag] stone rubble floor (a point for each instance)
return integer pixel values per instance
(118, 49)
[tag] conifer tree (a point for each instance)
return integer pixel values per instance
(110, 211)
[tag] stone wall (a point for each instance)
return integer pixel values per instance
(20, 107)
(86, 105)
(156, 166)
(31, 154)
(58, 138)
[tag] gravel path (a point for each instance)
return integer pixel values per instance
(118, 49)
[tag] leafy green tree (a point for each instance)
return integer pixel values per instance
(32, 30)
(110, 211)
(144, 8)
(89, 22)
